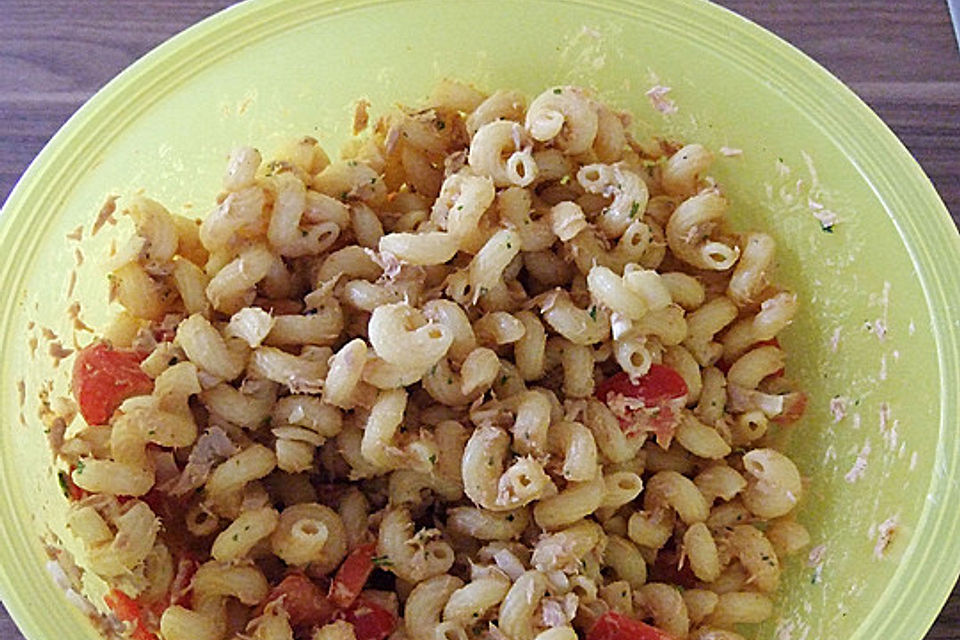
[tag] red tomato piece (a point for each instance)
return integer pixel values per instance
(661, 394)
(370, 621)
(128, 610)
(660, 384)
(303, 601)
(103, 377)
(352, 576)
(614, 626)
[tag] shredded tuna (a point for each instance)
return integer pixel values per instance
(743, 400)
(494, 633)
(838, 408)
(730, 152)
(660, 101)
(885, 533)
(860, 465)
(558, 611)
(106, 214)
(454, 162)
(361, 117)
(573, 410)
(212, 447)
(164, 464)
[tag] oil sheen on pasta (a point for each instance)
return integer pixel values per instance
(503, 372)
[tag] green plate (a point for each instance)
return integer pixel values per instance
(876, 340)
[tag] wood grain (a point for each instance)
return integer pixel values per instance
(898, 55)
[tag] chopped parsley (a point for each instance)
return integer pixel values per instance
(381, 561)
(64, 481)
(634, 209)
(433, 458)
(80, 467)
(509, 246)
(557, 91)
(826, 228)
(503, 379)
(593, 313)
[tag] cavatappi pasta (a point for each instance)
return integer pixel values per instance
(499, 371)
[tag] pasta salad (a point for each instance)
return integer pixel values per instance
(501, 371)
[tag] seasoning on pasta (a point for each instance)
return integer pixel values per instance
(499, 373)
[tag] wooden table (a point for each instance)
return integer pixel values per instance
(900, 56)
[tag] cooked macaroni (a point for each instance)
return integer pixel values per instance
(498, 372)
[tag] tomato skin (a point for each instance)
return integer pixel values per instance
(659, 385)
(103, 377)
(370, 621)
(304, 602)
(128, 610)
(662, 389)
(614, 626)
(352, 576)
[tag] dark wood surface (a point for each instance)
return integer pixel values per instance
(900, 56)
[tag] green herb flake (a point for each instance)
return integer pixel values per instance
(565, 180)
(503, 379)
(634, 209)
(510, 517)
(433, 458)
(441, 125)
(557, 91)
(172, 361)
(593, 313)
(826, 228)
(509, 246)
(381, 561)
(236, 537)
(343, 196)
(64, 481)
(80, 467)
(449, 380)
